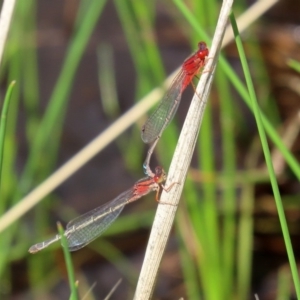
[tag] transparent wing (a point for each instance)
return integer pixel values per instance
(87, 227)
(165, 111)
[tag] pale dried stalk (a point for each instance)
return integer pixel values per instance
(165, 214)
(5, 20)
(248, 17)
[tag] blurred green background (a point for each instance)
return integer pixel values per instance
(78, 65)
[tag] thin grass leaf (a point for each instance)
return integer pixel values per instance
(268, 158)
(29, 68)
(70, 270)
(204, 262)
(6, 143)
(192, 20)
(107, 81)
(245, 241)
(131, 30)
(189, 268)
(4, 112)
(9, 183)
(144, 12)
(229, 191)
(206, 12)
(209, 211)
(283, 285)
(295, 65)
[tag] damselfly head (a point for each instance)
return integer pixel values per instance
(159, 175)
(202, 50)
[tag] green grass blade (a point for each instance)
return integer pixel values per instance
(228, 191)
(30, 78)
(209, 208)
(9, 183)
(144, 13)
(245, 241)
(69, 264)
(283, 288)
(268, 159)
(295, 65)
(107, 81)
(4, 112)
(138, 20)
(191, 19)
(189, 268)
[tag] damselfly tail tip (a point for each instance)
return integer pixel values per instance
(33, 249)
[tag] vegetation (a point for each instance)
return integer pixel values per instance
(232, 177)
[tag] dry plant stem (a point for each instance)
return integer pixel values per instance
(5, 20)
(248, 17)
(95, 146)
(179, 166)
(113, 289)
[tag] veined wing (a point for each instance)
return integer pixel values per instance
(87, 227)
(165, 111)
